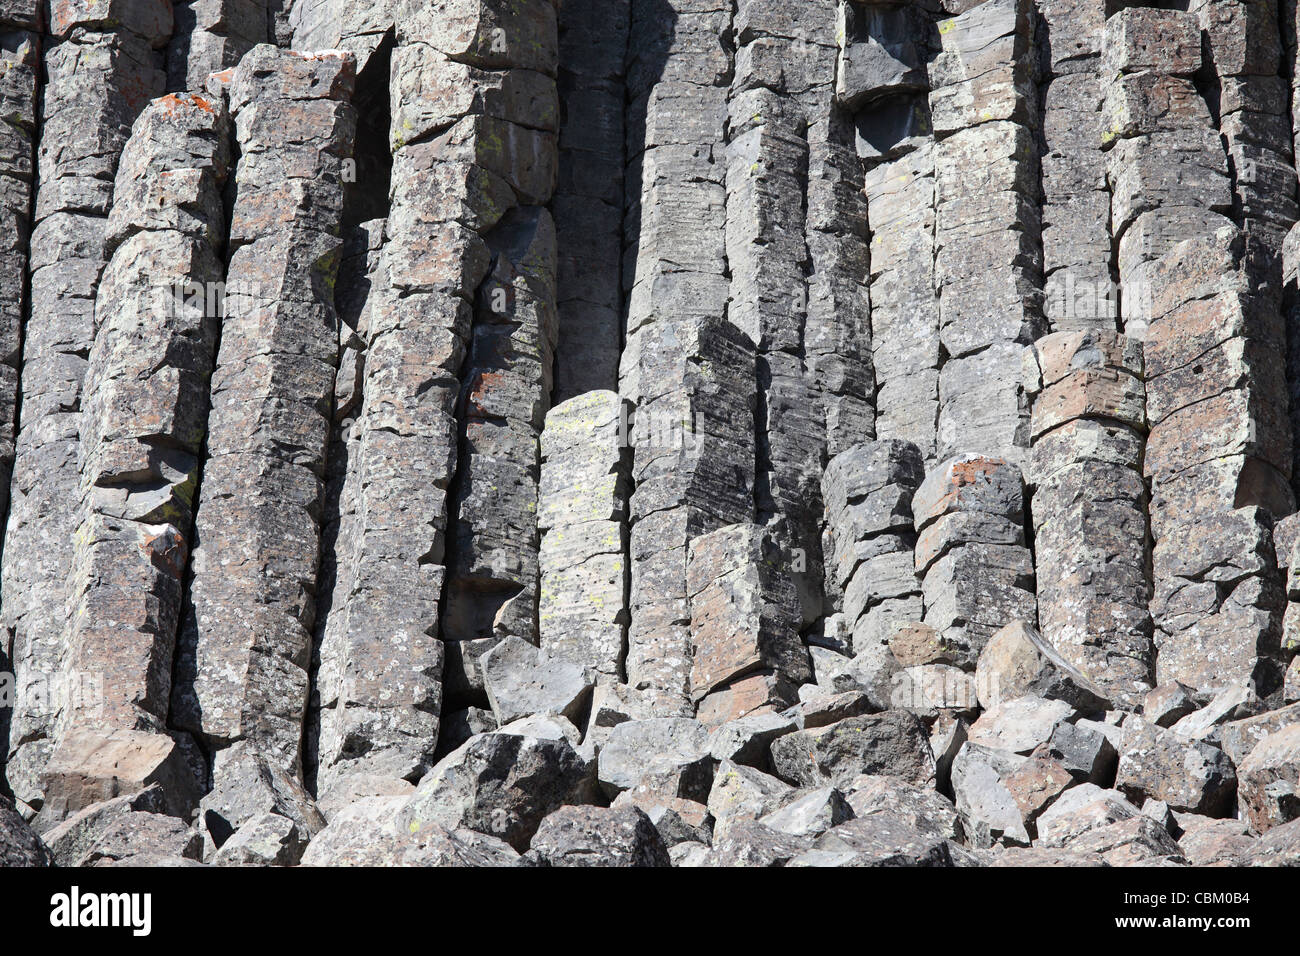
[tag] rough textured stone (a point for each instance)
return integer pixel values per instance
(1188, 775)
(593, 836)
(499, 784)
(892, 743)
(1269, 780)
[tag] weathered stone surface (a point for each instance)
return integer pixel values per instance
(880, 839)
(1269, 780)
(90, 767)
(1188, 775)
(1090, 540)
(892, 743)
(19, 845)
(974, 585)
(366, 835)
(582, 518)
(258, 517)
(667, 746)
(744, 610)
(1018, 662)
(94, 86)
(249, 786)
(1019, 725)
(266, 840)
(594, 836)
(499, 784)
(522, 680)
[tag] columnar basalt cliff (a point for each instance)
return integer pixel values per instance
(649, 432)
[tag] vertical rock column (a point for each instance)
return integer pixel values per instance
(837, 334)
(98, 78)
(767, 168)
(978, 574)
(213, 35)
(1078, 286)
(1218, 461)
(246, 642)
(1091, 544)
(474, 113)
(582, 517)
(492, 559)
(20, 55)
(688, 372)
(1241, 75)
(745, 621)
(868, 491)
(988, 256)
(146, 396)
(1166, 167)
(882, 84)
(588, 203)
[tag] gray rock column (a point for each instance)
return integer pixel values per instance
(588, 203)
(246, 641)
(146, 398)
(1079, 291)
(689, 373)
(473, 139)
(868, 491)
(20, 55)
(1091, 543)
(1218, 460)
(582, 517)
(1165, 164)
(988, 255)
(978, 572)
(102, 71)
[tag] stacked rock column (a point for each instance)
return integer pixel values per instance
(1166, 168)
(1091, 543)
(1218, 461)
(688, 372)
(588, 203)
(98, 78)
(473, 138)
(882, 82)
(582, 517)
(767, 168)
(146, 394)
(988, 256)
(247, 636)
(1079, 291)
(978, 573)
(868, 491)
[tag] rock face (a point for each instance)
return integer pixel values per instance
(649, 432)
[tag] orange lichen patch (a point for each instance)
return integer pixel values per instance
(484, 382)
(223, 76)
(173, 102)
(973, 471)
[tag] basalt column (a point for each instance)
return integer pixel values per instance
(767, 168)
(1078, 286)
(246, 640)
(103, 69)
(1218, 462)
(688, 372)
(473, 142)
(1165, 163)
(588, 203)
(1091, 545)
(882, 82)
(146, 397)
(988, 256)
